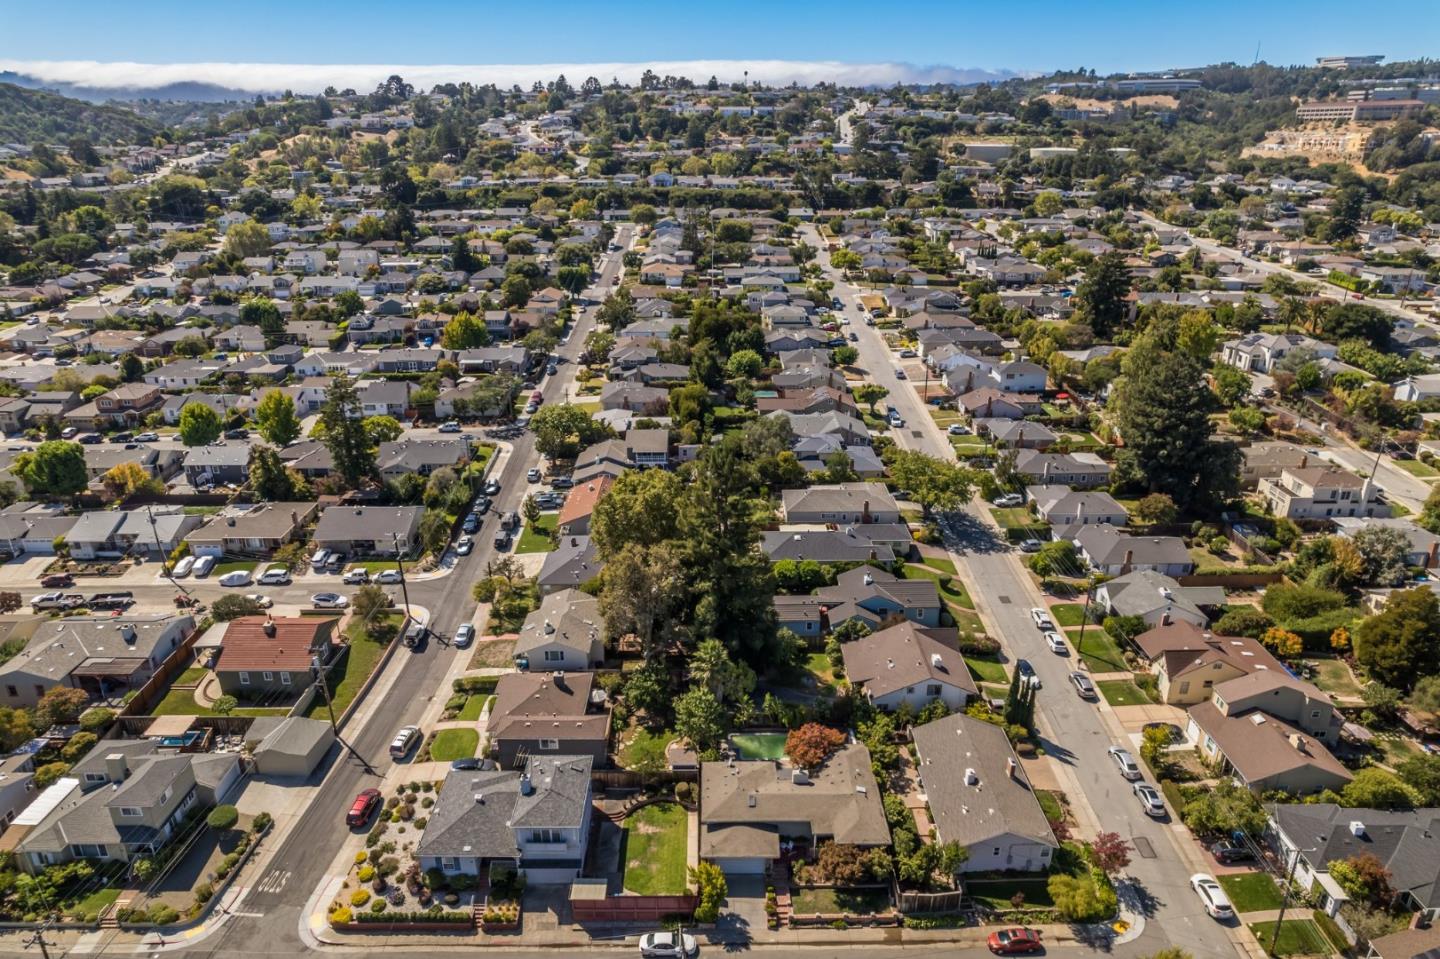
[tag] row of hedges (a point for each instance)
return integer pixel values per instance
(475, 684)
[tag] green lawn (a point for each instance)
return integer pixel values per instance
(645, 749)
(829, 901)
(1251, 891)
(997, 894)
(230, 566)
(1122, 692)
(346, 678)
(1298, 937)
(1013, 517)
(181, 702)
(1101, 653)
(1051, 805)
(473, 707)
(1334, 677)
(1068, 614)
(818, 665)
(986, 670)
(95, 903)
(373, 566)
(652, 852)
(454, 744)
(535, 538)
(191, 676)
(941, 563)
(953, 592)
(1416, 468)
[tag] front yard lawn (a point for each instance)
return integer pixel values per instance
(494, 654)
(1068, 614)
(1122, 692)
(230, 566)
(452, 744)
(473, 707)
(953, 592)
(987, 670)
(1100, 651)
(997, 894)
(1251, 891)
(1298, 937)
(1013, 517)
(653, 850)
(829, 901)
(941, 563)
(1416, 468)
(536, 536)
(350, 673)
(373, 566)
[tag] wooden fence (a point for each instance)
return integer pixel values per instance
(920, 902)
(626, 779)
(158, 684)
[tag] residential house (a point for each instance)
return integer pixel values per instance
(421, 457)
(851, 544)
(218, 464)
(536, 820)
(369, 530)
(1423, 546)
(252, 530)
(842, 503)
(111, 533)
(874, 596)
(979, 796)
(539, 714)
(1158, 599)
(1112, 552)
(262, 657)
(574, 562)
(635, 397)
(747, 806)
(1322, 492)
(17, 786)
(102, 655)
(907, 665)
(1267, 460)
(1076, 470)
(1017, 434)
(1189, 661)
(1259, 352)
(564, 634)
(1068, 511)
(579, 506)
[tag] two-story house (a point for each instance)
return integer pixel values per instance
(1322, 492)
(547, 714)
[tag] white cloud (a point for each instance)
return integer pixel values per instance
(313, 78)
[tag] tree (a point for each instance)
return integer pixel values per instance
(936, 484)
(870, 394)
(1365, 878)
(344, 433)
(434, 531)
(1223, 808)
(225, 705)
(199, 425)
(271, 480)
(10, 601)
(844, 355)
(131, 368)
(710, 890)
(49, 774)
(369, 602)
(644, 593)
(1055, 558)
(465, 331)
(1112, 853)
(1421, 773)
(700, 719)
(1155, 508)
(55, 468)
(712, 667)
(638, 509)
(1383, 551)
(124, 480)
(1401, 643)
(250, 238)
(1247, 419)
(562, 430)
(1100, 298)
(233, 606)
(1375, 788)
(810, 745)
(60, 704)
(1282, 642)
(15, 728)
(744, 363)
(276, 419)
(1231, 385)
(382, 429)
(1080, 898)
(262, 312)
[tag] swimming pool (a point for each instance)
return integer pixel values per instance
(181, 741)
(759, 745)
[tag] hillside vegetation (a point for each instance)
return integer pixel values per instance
(29, 116)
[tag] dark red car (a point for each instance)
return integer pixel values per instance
(1016, 941)
(58, 581)
(363, 806)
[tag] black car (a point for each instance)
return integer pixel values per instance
(122, 437)
(482, 506)
(1227, 854)
(237, 434)
(471, 524)
(90, 439)
(1027, 672)
(492, 486)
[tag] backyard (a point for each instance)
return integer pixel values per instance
(452, 744)
(759, 745)
(1334, 677)
(644, 749)
(653, 850)
(820, 670)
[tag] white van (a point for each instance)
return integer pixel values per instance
(203, 566)
(318, 561)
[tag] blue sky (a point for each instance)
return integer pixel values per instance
(1108, 35)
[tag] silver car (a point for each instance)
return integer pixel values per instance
(1126, 762)
(668, 945)
(1150, 800)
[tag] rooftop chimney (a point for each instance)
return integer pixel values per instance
(127, 632)
(269, 627)
(116, 768)
(1010, 767)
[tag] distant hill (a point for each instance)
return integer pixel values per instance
(188, 91)
(28, 116)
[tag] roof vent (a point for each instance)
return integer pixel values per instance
(972, 778)
(269, 627)
(937, 661)
(1357, 829)
(869, 580)
(750, 800)
(799, 777)
(1010, 767)
(127, 632)
(527, 788)
(480, 798)
(549, 627)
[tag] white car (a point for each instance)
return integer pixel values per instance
(1031, 546)
(329, 601)
(1083, 685)
(1212, 896)
(183, 568)
(388, 576)
(449, 426)
(147, 437)
(356, 577)
(464, 546)
(1056, 644)
(238, 577)
(464, 636)
(275, 576)
(203, 566)
(260, 599)
(1009, 500)
(533, 475)
(668, 945)
(1125, 761)
(1041, 616)
(1150, 800)
(960, 429)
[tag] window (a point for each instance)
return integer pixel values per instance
(130, 812)
(267, 676)
(995, 851)
(165, 796)
(549, 744)
(554, 655)
(1185, 687)
(547, 835)
(1209, 743)
(450, 863)
(94, 777)
(11, 691)
(933, 689)
(244, 679)
(284, 679)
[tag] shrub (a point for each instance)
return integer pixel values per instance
(162, 915)
(203, 892)
(359, 897)
(262, 822)
(1248, 621)
(94, 720)
(79, 744)
(973, 644)
(378, 906)
(340, 916)
(366, 873)
(360, 858)
(222, 817)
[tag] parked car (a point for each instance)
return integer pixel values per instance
(449, 426)
(1031, 545)
(1212, 896)
(275, 576)
(895, 419)
(471, 523)
(68, 433)
(960, 429)
(364, 806)
(123, 438)
(57, 601)
(1150, 800)
(899, 373)
(1010, 500)
(1014, 942)
(668, 945)
(533, 475)
(237, 434)
(90, 439)
(147, 437)
(1056, 644)
(464, 635)
(562, 482)
(388, 577)
(1083, 685)
(1228, 854)
(329, 601)
(502, 540)
(415, 635)
(406, 738)
(203, 566)
(907, 354)
(466, 764)
(1125, 762)
(464, 546)
(238, 577)
(492, 487)
(1041, 617)
(356, 577)
(1027, 672)
(260, 599)
(65, 580)
(482, 506)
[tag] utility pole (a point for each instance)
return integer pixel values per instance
(400, 566)
(1085, 617)
(319, 671)
(1285, 902)
(38, 939)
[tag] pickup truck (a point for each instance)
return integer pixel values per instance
(123, 599)
(57, 601)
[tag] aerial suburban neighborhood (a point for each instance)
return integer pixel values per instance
(700, 513)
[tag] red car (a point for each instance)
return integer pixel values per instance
(58, 581)
(364, 804)
(1012, 942)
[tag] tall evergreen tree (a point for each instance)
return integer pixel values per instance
(344, 432)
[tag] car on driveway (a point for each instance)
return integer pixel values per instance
(181, 570)
(203, 566)
(237, 577)
(1027, 672)
(464, 635)
(1031, 546)
(364, 806)
(1124, 762)
(1150, 800)
(1015, 941)
(1009, 500)
(329, 601)
(356, 577)
(1083, 685)
(960, 429)
(388, 577)
(1056, 644)
(1041, 617)
(275, 576)
(668, 945)
(1227, 854)
(1212, 896)
(899, 373)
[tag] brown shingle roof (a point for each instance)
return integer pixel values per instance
(247, 644)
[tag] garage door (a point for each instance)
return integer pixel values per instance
(742, 867)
